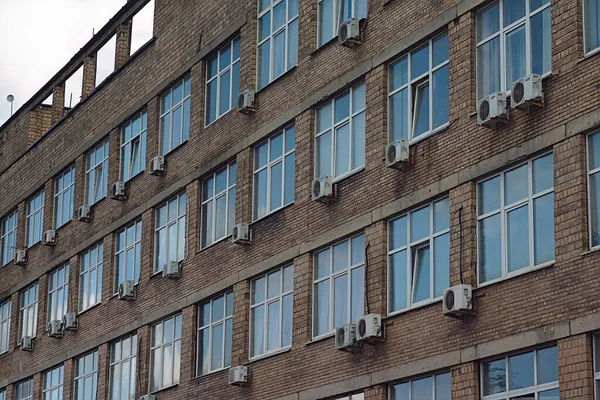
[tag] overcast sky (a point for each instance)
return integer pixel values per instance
(38, 37)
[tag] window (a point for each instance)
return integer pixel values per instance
(215, 334)
(53, 383)
(597, 364)
(35, 218)
(418, 91)
(2, 394)
(96, 173)
(339, 285)
(340, 139)
(419, 256)
(58, 293)
(170, 231)
(128, 256)
(222, 81)
(277, 39)
(5, 310)
(90, 277)
(335, 12)
(594, 187)
(515, 223)
(9, 237)
(86, 377)
(271, 311)
(123, 359)
(29, 311)
(591, 22)
(436, 387)
(274, 163)
(513, 40)
(64, 193)
(133, 146)
(524, 376)
(359, 396)
(218, 205)
(24, 390)
(165, 353)
(175, 115)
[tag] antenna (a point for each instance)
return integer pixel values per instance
(11, 99)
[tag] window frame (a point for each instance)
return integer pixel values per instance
(140, 139)
(31, 216)
(596, 362)
(26, 308)
(268, 167)
(334, 127)
(427, 241)
(336, 22)
(596, 49)
(61, 290)
(589, 174)
(503, 211)
(5, 320)
(185, 81)
(502, 33)
(153, 347)
(131, 359)
(2, 394)
(79, 379)
(210, 327)
(180, 218)
(99, 188)
(7, 235)
(229, 68)
(19, 389)
(66, 193)
(47, 388)
(86, 275)
(212, 199)
(137, 227)
(411, 380)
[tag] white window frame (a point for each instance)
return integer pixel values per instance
(416, 82)
(336, 22)
(9, 237)
(119, 363)
(596, 49)
(175, 368)
(503, 210)
(59, 291)
(5, 314)
(96, 173)
(503, 31)
(268, 167)
(123, 248)
(34, 235)
(81, 379)
(410, 383)
(218, 77)
(229, 190)
(66, 193)
(85, 271)
(179, 222)
(535, 389)
(28, 307)
(590, 173)
(331, 275)
(265, 304)
(271, 39)
(333, 127)
(49, 389)
(227, 296)
(185, 81)
(19, 387)
(427, 241)
(139, 140)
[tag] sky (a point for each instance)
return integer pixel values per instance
(38, 38)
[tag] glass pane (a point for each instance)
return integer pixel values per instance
(279, 54)
(322, 264)
(422, 388)
(358, 249)
(212, 67)
(488, 68)
(264, 26)
(543, 173)
(399, 115)
(440, 97)
(547, 365)
(421, 110)
(203, 351)
(400, 392)
(535, 4)
(489, 195)
(543, 228)
(518, 238)
(290, 166)
(340, 256)
(264, 61)
(273, 284)
(324, 154)
(397, 229)
(340, 301)
(263, 4)
(488, 22)
(443, 387)
(521, 371)
(357, 300)
(549, 395)
(421, 274)
(286, 325)
(258, 330)
(342, 107)
(516, 184)
(441, 215)
(398, 74)
(321, 312)
(419, 62)
(218, 308)
(276, 185)
(260, 194)
(358, 98)
(494, 377)
(221, 219)
(513, 10)
(225, 99)
(292, 44)
(591, 16)
(217, 347)
(258, 290)
(358, 141)
(419, 224)
(228, 341)
(273, 326)
(324, 118)
(490, 258)
(276, 147)
(325, 21)
(235, 87)
(516, 55)
(440, 50)
(541, 43)
(279, 15)
(441, 264)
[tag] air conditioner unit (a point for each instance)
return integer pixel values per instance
(322, 189)
(369, 328)
(157, 165)
(20, 257)
(241, 234)
(345, 338)
(84, 213)
(27, 343)
(50, 238)
(70, 321)
(239, 375)
(171, 269)
(349, 33)
(397, 154)
(246, 101)
(458, 301)
(148, 397)
(492, 110)
(127, 290)
(54, 328)
(527, 93)
(118, 191)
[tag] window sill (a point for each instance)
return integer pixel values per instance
(320, 338)
(516, 274)
(347, 175)
(96, 202)
(268, 355)
(430, 133)
(90, 308)
(591, 251)
(199, 377)
(180, 145)
(276, 79)
(327, 44)
(413, 307)
(29, 247)
(63, 225)
(219, 117)
(141, 172)
(272, 213)
(214, 243)
(164, 389)
(588, 55)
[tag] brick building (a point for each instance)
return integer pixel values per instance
(510, 209)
